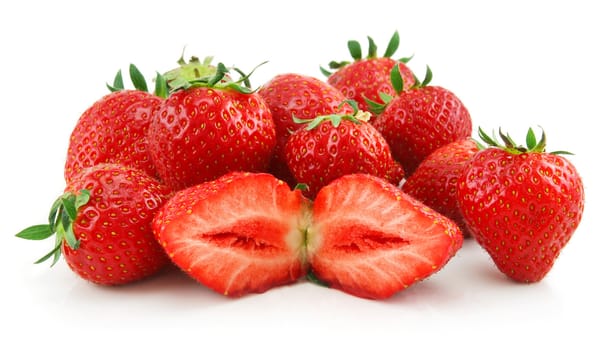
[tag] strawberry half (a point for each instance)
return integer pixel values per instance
(371, 240)
(240, 233)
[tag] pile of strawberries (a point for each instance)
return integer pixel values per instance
(367, 182)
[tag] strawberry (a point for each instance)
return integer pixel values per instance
(248, 232)
(434, 182)
(209, 127)
(102, 224)
(371, 240)
(334, 145)
(113, 129)
(367, 78)
(294, 95)
(521, 204)
(238, 234)
(421, 119)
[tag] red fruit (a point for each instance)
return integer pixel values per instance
(113, 130)
(303, 97)
(371, 240)
(238, 234)
(367, 78)
(336, 145)
(209, 128)
(420, 120)
(103, 225)
(521, 204)
(248, 232)
(435, 181)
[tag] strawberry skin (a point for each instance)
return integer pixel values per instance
(435, 180)
(318, 155)
(421, 120)
(201, 133)
(371, 240)
(367, 78)
(113, 130)
(241, 233)
(294, 95)
(522, 208)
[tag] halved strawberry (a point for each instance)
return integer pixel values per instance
(241, 233)
(371, 240)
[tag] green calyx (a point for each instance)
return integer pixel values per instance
(139, 82)
(397, 81)
(356, 117)
(61, 218)
(533, 145)
(355, 49)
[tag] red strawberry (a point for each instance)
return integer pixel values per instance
(113, 130)
(238, 234)
(303, 97)
(435, 180)
(367, 78)
(103, 225)
(335, 145)
(521, 204)
(209, 127)
(420, 120)
(371, 240)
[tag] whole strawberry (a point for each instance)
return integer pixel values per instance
(435, 180)
(367, 79)
(420, 120)
(335, 145)
(113, 129)
(521, 204)
(103, 225)
(295, 95)
(209, 127)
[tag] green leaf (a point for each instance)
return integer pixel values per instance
(386, 98)
(396, 79)
(71, 238)
(371, 48)
(325, 72)
(53, 214)
(69, 206)
(406, 59)
(160, 86)
(355, 49)
(82, 198)
(335, 119)
(36, 232)
(221, 71)
(531, 139)
(351, 103)
(117, 85)
(392, 47)
(337, 65)
(428, 77)
(56, 252)
(313, 278)
(301, 186)
(137, 78)
(375, 107)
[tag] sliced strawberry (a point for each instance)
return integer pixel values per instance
(371, 240)
(238, 234)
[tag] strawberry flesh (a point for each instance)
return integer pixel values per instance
(371, 240)
(238, 234)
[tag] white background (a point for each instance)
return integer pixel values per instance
(514, 64)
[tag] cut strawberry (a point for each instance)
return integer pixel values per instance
(371, 240)
(238, 234)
